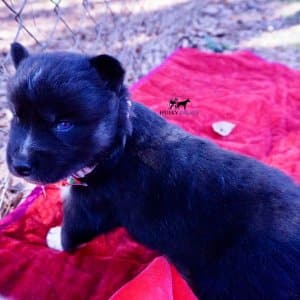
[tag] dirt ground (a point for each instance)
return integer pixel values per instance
(141, 34)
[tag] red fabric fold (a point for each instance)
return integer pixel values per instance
(261, 98)
(159, 280)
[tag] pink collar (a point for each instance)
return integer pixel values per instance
(74, 179)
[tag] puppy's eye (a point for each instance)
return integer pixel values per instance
(63, 126)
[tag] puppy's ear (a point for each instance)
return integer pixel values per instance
(110, 70)
(18, 53)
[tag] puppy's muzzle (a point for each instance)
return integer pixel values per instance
(21, 166)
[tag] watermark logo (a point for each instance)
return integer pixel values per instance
(179, 107)
(176, 104)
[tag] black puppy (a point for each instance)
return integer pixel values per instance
(228, 222)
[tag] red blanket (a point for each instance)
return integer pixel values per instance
(261, 98)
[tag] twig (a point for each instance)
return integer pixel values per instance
(19, 20)
(4, 190)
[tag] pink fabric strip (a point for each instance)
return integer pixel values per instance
(21, 209)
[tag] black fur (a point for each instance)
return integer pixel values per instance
(18, 53)
(228, 222)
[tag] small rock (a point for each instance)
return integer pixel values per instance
(223, 128)
(211, 10)
(213, 45)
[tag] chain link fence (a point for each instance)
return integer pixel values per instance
(125, 29)
(85, 26)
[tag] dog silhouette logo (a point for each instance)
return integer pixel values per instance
(178, 107)
(176, 104)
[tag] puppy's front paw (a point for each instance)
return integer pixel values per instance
(54, 238)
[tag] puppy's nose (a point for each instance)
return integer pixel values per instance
(22, 168)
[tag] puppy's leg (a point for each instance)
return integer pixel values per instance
(83, 219)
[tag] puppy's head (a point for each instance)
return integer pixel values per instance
(66, 111)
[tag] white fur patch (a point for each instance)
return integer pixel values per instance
(33, 78)
(65, 192)
(124, 140)
(54, 238)
(26, 145)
